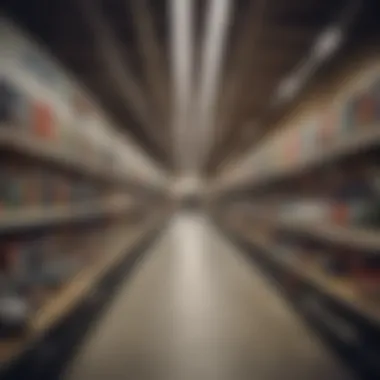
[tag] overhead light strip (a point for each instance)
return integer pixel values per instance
(326, 45)
(217, 22)
(181, 16)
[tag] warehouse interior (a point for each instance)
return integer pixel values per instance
(189, 189)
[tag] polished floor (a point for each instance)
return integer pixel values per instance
(195, 309)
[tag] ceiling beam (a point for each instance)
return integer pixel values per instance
(240, 66)
(108, 50)
(152, 60)
(182, 60)
(212, 57)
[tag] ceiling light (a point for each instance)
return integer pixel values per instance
(327, 43)
(288, 88)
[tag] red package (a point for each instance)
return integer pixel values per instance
(340, 213)
(43, 120)
(366, 110)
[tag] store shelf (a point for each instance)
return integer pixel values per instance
(72, 293)
(350, 236)
(21, 142)
(341, 290)
(22, 219)
(63, 301)
(356, 143)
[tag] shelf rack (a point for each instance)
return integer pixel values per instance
(344, 235)
(19, 141)
(339, 289)
(61, 302)
(356, 237)
(21, 219)
(367, 139)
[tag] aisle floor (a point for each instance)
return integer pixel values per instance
(194, 308)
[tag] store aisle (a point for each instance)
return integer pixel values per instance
(195, 309)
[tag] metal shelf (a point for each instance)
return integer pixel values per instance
(21, 142)
(352, 236)
(367, 139)
(340, 290)
(23, 219)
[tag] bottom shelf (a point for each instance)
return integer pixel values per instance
(346, 321)
(59, 303)
(341, 289)
(333, 305)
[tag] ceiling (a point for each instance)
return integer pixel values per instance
(120, 50)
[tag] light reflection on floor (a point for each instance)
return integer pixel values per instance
(195, 309)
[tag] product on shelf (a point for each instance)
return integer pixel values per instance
(348, 116)
(13, 188)
(337, 262)
(14, 312)
(366, 110)
(375, 89)
(58, 265)
(13, 106)
(62, 190)
(32, 269)
(367, 274)
(43, 120)
(309, 139)
(14, 305)
(33, 191)
(327, 127)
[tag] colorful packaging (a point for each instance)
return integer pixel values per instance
(366, 111)
(43, 120)
(340, 213)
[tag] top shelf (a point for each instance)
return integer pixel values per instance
(368, 139)
(20, 142)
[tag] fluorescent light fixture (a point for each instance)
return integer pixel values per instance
(292, 84)
(182, 67)
(327, 43)
(214, 41)
(288, 88)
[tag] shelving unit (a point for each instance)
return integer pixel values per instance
(342, 235)
(348, 236)
(338, 288)
(63, 300)
(331, 305)
(71, 210)
(339, 149)
(308, 212)
(19, 141)
(13, 221)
